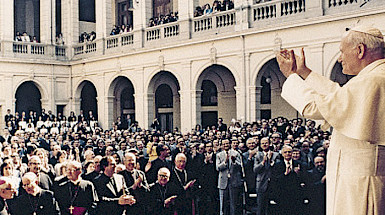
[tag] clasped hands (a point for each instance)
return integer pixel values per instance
(290, 63)
(126, 200)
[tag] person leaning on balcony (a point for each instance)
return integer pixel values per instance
(355, 172)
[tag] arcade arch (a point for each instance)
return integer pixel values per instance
(88, 98)
(122, 90)
(216, 96)
(269, 83)
(164, 101)
(28, 98)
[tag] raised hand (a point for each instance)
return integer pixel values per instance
(302, 69)
(287, 62)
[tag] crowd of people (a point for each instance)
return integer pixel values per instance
(87, 37)
(24, 37)
(163, 19)
(217, 6)
(116, 30)
(70, 165)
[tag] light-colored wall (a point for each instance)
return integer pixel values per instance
(242, 53)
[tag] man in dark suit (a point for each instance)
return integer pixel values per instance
(286, 180)
(35, 200)
(228, 163)
(263, 165)
(221, 126)
(137, 184)
(74, 194)
(111, 188)
(209, 179)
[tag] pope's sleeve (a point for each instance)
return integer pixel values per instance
(299, 95)
(321, 84)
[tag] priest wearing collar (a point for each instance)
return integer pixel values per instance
(136, 182)
(112, 189)
(75, 195)
(35, 201)
(162, 195)
(184, 182)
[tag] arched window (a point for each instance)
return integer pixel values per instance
(209, 94)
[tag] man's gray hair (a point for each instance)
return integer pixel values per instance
(372, 43)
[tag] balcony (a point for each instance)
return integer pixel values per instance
(214, 23)
(272, 14)
(30, 50)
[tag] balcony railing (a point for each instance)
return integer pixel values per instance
(35, 50)
(214, 21)
(165, 31)
(262, 15)
(272, 11)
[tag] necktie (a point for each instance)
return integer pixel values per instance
(288, 169)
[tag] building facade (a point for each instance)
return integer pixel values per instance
(184, 73)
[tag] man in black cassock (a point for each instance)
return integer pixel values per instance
(75, 195)
(35, 201)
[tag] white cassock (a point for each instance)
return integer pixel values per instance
(356, 157)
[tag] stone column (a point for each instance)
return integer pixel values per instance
(149, 110)
(258, 102)
(106, 117)
(186, 109)
(240, 103)
(196, 107)
(142, 14)
(70, 25)
(103, 13)
(252, 106)
(186, 13)
(76, 105)
(242, 8)
(140, 109)
(6, 26)
(47, 21)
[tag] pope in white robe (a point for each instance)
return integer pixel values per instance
(355, 174)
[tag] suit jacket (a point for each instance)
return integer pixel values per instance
(109, 194)
(263, 172)
(286, 189)
(230, 168)
(45, 204)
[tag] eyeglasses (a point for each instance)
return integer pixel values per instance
(73, 169)
(32, 163)
(163, 176)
